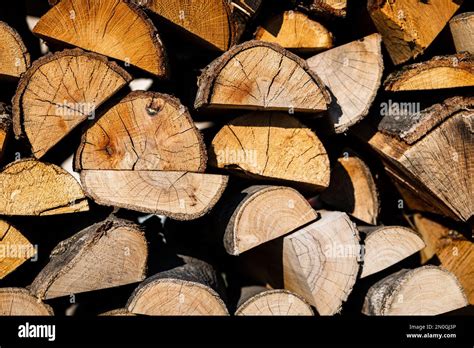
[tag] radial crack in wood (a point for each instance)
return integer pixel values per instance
(259, 75)
(144, 131)
(462, 28)
(29, 187)
(15, 58)
(59, 92)
(20, 302)
(427, 290)
(107, 254)
(104, 26)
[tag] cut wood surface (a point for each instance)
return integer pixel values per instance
(257, 300)
(20, 302)
(337, 8)
(107, 254)
(462, 29)
(427, 290)
(438, 73)
(104, 26)
(262, 213)
(144, 131)
(295, 31)
(15, 58)
(30, 187)
(260, 75)
(59, 92)
(352, 189)
(352, 73)
(273, 146)
(385, 246)
(191, 289)
(408, 27)
(454, 251)
(179, 195)
(5, 126)
(15, 249)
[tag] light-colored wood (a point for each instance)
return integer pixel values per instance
(428, 290)
(353, 74)
(5, 126)
(144, 131)
(385, 246)
(20, 302)
(273, 146)
(59, 92)
(121, 312)
(272, 302)
(259, 75)
(179, 195)
(408, 27)
(454, 251)
(15, 58)
(30, 187)
(462, 28)
(191, 289)
(327, 8)
(352, 189)
(107, 254)
(259, 214)
(295, 31)
(114, 28)
(15, 249)
(438, 73)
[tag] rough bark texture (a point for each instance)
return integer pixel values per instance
(325, 8)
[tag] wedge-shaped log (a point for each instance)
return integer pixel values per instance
(107, 254)
(259, 75)
(385, 246)
(352, 189)
(428, 290)
(438, 73)
(5, 126)
(179, 195)
(15, 58)
(273, 146)
(144, 131)
(30, 187)
(296, 32)
(191, 289)
(408, 27)
(262, 213)
(326, 8)
(257, 300)
(353, 74)
(105, 27)
(59, 92)
(20, 302)
(462, 28)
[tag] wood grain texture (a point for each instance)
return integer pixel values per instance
(462, 29)
(15, 58)
(15, 249)
(20, 302)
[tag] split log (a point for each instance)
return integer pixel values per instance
(121, 312)
(191, 289)
(273, 146)
(259, 75)
(15, 58)
(257, 300)
(295, 32)
(352, 189)
(385, 246)
(262, 213)
(216, 24)
(318, 262)
(427, 290)
(15, 249)
(30, 187)
(179, 195)
(144, 131)
(326, 8)
(20, 302)
(440, 72)
(462, 28)
(59, 92)
(430, 152)
(454, 251)
(107, 254)
(103, 26)
(353, 74)
(408, 27)
(5, 126)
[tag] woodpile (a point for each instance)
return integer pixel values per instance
(237, 157)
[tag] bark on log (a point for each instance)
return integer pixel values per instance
(121, 312)
(15, 58)
(462, 28)
(325, 8)
(20, 302)
(15, 249)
